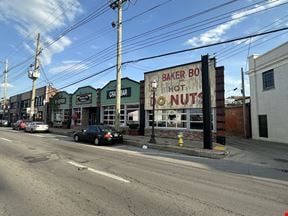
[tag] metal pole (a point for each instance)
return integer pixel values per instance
(119, 62)
(5, 81)
(152, 138)
(244, 104)
(206, 91)
(34, 78)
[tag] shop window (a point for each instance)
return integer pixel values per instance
(57, 115)
(196, 119)
(182, 118)
(128, 114)
(39, 116)
(66, 115)
(169, 118)
(77, 116)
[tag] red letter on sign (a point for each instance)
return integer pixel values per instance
(174, 100)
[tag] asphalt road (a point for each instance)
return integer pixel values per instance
(47, 174)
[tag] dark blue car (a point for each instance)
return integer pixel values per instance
(99, 134)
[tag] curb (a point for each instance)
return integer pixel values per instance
(182, 150)
(69, 134)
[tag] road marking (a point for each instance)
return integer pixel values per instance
(109, 175)
(6, 139)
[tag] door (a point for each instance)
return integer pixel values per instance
(263, 126)
(93, 119)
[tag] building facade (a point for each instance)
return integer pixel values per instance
(61, 109)
(269, 94)
(20, 105)
(85, 107)
(130, 106)
(178, 101)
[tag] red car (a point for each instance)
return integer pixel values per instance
(20, 125)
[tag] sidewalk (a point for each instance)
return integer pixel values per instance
(194, 148)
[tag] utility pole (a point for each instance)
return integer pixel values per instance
(5, 81)
(206, 106)
(34, 75)
(243, 103)
(114, 5)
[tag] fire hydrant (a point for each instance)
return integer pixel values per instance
(180, 139)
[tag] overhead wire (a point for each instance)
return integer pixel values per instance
(109, 54)
(151, 31)
(175, 53)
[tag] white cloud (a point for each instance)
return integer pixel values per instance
(68, 66)
(216, 34)
(32, 16)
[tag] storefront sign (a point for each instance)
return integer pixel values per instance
(125, 92)
(59, 101)
(179, 87)
(83, 99)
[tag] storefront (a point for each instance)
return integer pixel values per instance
(178, 100)
(130, 108)
(85, 107)
(61, 110)
(20, 105)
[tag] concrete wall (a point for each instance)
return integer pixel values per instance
(273, 102)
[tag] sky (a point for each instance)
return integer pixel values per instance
(77, 38)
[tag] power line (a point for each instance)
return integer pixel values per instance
(109, 54)
(178, 52)
(151, 31)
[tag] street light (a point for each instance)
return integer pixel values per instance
(154, 87)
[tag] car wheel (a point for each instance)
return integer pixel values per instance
(32, 131)
(76, 138)
(96, 141)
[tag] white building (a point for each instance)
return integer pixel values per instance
(268, 75)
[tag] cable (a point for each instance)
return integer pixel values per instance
(154, 43)
(183, 19)
(177, 52)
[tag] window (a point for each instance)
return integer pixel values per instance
(129, 114)
(169, 118)
(196, 119)
(268, 80)
(77, 116)
(180, 118)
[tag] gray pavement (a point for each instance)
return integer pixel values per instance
(49, 174)
(257, 152)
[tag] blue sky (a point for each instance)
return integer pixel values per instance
(64, 61)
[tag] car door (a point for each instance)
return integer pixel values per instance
(90, 133)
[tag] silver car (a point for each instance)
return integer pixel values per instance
(37, 127)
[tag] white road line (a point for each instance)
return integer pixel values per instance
(6, 139)
(99, 172)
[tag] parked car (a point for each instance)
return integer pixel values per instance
(36, 127)
(4, 123)
(20, 125)
(99, 134)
